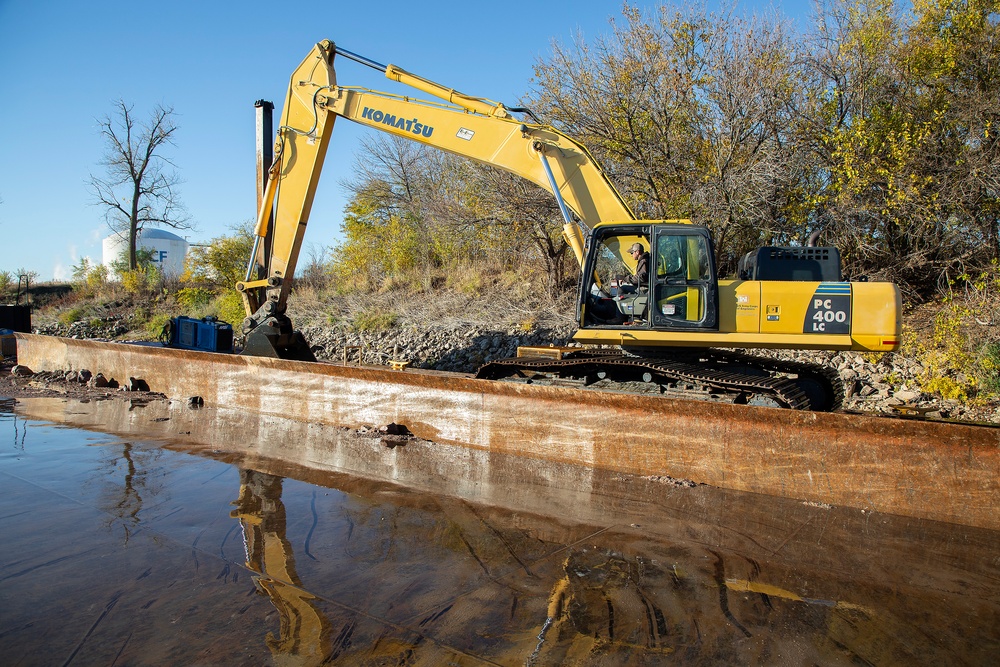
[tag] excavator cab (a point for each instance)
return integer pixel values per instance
(680, 291)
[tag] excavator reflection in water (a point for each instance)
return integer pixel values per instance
(123, 499)
(606, 605)
(304, 634)
(635, 608)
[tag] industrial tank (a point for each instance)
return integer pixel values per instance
(169, 250)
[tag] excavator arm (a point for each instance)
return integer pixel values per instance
(537, 153)
(475, 128)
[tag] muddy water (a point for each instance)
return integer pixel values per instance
(167, 536)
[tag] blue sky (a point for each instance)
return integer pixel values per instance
(64, 63)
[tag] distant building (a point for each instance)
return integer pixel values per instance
(169, 250)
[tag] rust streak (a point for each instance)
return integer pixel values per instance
(943, 471)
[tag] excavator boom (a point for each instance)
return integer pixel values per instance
(299, 151)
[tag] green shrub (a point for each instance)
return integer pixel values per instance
(960, 353)
(140, 315)
(72, 315)
(154, 326)
(945, 354)
(139, 281)
(195, 299)
(224, 260)
(989, 373)
(373, 320)
(96, 277)
(228, 307)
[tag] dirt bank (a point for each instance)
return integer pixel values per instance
(56, 384)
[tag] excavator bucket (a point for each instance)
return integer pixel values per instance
(272, 339)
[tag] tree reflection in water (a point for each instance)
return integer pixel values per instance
(127, 483)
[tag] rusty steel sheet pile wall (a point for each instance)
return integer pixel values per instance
(942, 471)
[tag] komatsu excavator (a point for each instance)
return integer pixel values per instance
(670, 329)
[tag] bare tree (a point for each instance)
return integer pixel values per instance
(140, 187)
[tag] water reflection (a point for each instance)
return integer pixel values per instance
(20, 429)
(126, 481)
(512, 563)
(554, 594)
(304, 635)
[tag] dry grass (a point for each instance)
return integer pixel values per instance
(509, 304)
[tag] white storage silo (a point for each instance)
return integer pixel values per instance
(169, 250)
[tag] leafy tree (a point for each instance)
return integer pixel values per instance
(851, 79)
(139, 188)
(211, 272)
(144, 277)
(417, 212)
(395, 222)
(518, 226)
(30, 276)
(632, 99)
(88, 275)
(900, 122)
(143, 261)
(878, 128)
(752, 167)
(379, 240)
(690, 113)
(952, 52)
(224, 260)
(81, 269)
(315, 272)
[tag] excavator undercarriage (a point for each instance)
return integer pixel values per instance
(710, 374)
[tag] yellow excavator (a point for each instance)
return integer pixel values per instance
(651, 307)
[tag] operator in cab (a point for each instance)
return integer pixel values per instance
(640, 280)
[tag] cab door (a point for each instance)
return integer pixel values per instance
(684, 290)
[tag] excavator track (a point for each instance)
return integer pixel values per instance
(743, 376)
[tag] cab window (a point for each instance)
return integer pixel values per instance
(684, 289)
